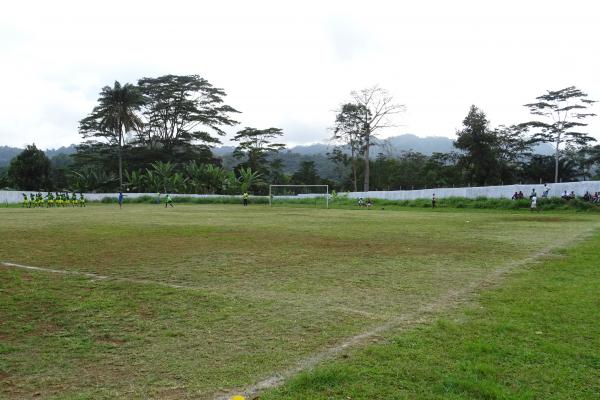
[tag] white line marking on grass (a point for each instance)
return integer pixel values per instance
(422, 315)
(98, 277)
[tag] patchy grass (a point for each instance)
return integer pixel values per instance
(267, 287)
(536, 337)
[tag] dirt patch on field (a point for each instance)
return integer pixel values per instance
(46, 329)
(111, 340)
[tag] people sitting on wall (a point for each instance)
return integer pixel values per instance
(565, 195)
(361, 202)
(515, 196)
(521, 195)
(587, 196)
(546, 191)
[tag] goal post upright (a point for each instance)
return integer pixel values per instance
(300, 186)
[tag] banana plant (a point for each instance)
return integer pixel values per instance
(135, 181)
(248, 178)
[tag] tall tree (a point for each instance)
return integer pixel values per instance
(115, 115)
(255, 145)
(513, 148)
(306, 174)
(478, 143)
(183, 110)
(564, 110)
(377, 110)
(348, 132)
(30, 170)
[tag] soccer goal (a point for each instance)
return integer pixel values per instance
(299, 194)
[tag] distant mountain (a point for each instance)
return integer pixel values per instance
(8, 153)
(392, 146)
(395, 145)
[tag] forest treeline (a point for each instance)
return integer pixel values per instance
(158, 136)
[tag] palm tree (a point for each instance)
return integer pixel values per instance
(114, 116)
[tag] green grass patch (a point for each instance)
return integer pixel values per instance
(536, 337)
(268, 287)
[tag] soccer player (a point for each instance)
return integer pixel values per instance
(120, 199)
(81, 200)
(433, 200)
(50, 199)
(31, 200)
(25, 201)
(245, 197)
(168, 200)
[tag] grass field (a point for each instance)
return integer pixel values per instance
(203, 299)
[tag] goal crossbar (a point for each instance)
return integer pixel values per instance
(300, 186)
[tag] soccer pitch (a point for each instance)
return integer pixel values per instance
(201, 301)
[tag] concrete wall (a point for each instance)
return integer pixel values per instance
(556, 189)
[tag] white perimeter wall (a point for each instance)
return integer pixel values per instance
(556, 189)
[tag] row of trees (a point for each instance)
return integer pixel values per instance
(157, 135)
(485, 155)
(32, 170)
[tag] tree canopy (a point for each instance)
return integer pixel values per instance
(565, 111)
(183, 110)
(30, 170)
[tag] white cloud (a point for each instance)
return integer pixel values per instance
(290, 64)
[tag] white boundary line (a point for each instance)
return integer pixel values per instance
(97, 276)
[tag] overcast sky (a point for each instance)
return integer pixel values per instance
(290, 64)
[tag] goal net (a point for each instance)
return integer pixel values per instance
(309, 195)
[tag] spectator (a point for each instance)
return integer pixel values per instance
(533, 194)
(515, 196)
(587, 196)
(546, 191)
(533, 199)
(521, 196)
